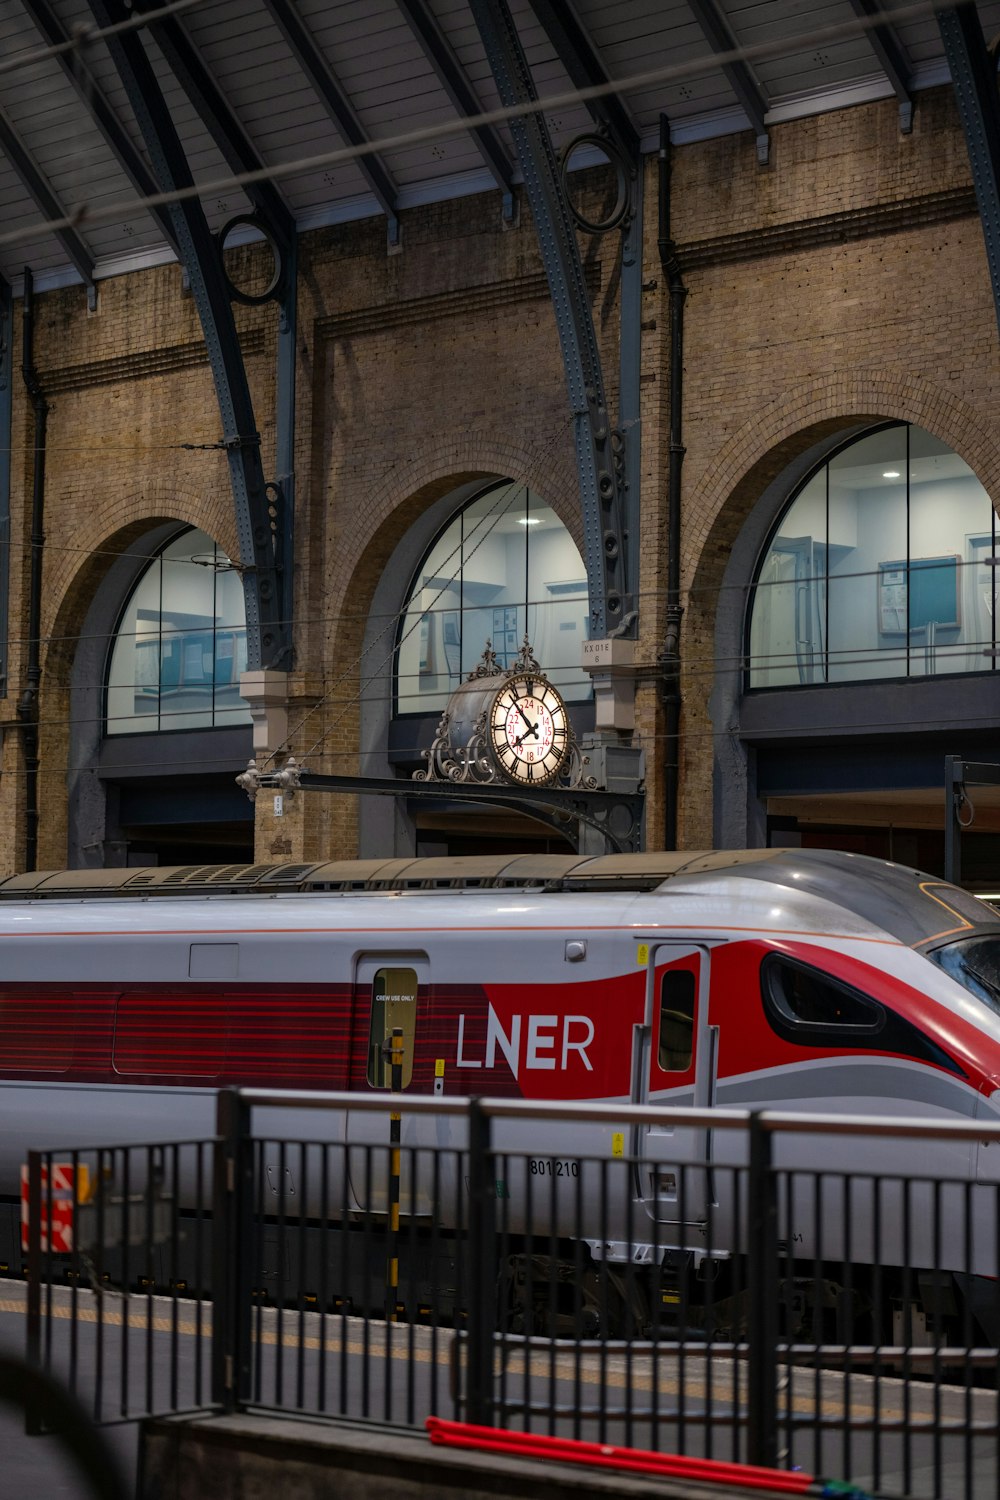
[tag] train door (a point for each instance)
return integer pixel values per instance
(675, 1051)
(390, 990)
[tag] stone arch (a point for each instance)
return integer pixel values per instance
(332, 732)
(786, 428)
(116, 526)
(407, 490)
(759, 467)
(113, 554)
(405, 495)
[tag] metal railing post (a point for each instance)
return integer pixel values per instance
(395, 1123)
(482, 1268)
(762, 1315)
(33, 1422)
(954, 775)
(232, 1252)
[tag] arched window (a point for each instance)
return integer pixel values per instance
(879, 568)
(181, 644)
(503, 568)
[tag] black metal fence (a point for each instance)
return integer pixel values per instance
(774, 1289)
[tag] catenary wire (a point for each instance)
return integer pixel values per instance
(84, 35)
(688, 737)
(88, 35)
(83, 213)
(400, 614)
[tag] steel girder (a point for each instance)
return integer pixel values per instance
(605, 542)
(268, 636)
(37, 184)
(6, 406)
(585, 69)
(890, 52)
(213, 107)
(274, 215)
(974, 76)
(120, 142)
(338, 106)
(615, 816)
(741, 80)
(457, 85)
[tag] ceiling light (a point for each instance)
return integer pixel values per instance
(890, 474)
(529, 521)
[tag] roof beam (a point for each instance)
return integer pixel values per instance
(268, 632)
(338, 106)
(219, 118)
(38, 185)
(586, 69)
(606, 553)
(738, 75)
(457, 85)
(892, 57)
(974, 78)
(129, 159)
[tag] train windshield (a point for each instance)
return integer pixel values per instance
(975, 963)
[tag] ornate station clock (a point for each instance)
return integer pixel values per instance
(529, 730)
(506, 725)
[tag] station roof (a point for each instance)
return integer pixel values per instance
(287, 84)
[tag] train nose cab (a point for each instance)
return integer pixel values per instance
(973, 961)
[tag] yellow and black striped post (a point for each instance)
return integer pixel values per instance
(392, 1244)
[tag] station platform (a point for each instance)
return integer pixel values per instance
(243, 1457)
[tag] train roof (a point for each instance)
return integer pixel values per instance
(917, 908)
(623, 872)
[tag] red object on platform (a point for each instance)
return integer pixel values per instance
(607, 1456)
(56, 1235)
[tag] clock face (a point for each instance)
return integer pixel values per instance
(529, 730)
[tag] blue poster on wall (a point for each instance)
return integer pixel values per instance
(927, 591)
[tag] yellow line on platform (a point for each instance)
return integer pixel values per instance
(590, 1370)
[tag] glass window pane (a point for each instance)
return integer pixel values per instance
(183, 1035)
(134, 674)
(504, 568)
(429, 659)
(181, 646)
(677, 1010)
(809, 999)
(230, 645)
(37, 1030)
(394, 1003)
(951, 599)
(788, 623)
(494, 576)
(867, 559)
(558, 602)
(187, 645)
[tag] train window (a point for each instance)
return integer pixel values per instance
(394, 1003)
(36, 1033)
(288, 1038)
(677, 1006)
(803, 1003)
(179, 1034)
(975, 963)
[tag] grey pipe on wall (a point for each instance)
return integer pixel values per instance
(27, 705)
(670, 657)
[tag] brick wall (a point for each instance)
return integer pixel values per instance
(845, 279)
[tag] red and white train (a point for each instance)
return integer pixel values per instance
(805, 980)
